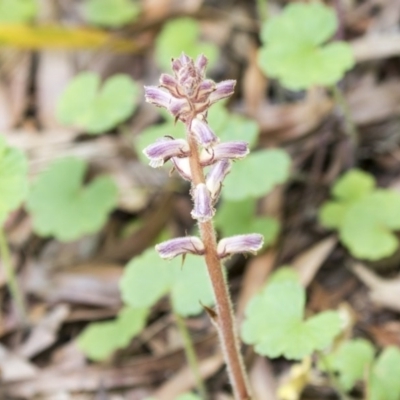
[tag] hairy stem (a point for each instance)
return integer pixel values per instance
(191, 356)
(225, 319)
(10, 276)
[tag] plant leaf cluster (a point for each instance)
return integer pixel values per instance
(100, 339)
(13, 179)
(86, 106)
(111, 13)
(17, 11)
(363, 215)
(62, 206)
(147, 278)
(182, 35)
(295, 48)
(275, 322)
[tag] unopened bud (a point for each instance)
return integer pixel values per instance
(203, 133)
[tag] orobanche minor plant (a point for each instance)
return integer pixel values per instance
(188, 95)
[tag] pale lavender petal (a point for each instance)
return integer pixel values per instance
(178, 107)
(184, 59)
(216, 176)
(250, 243)
(203, 133)
(170, 83)
(180, 246)
(182, 165)
(165, 148)
(202, 203)
(155, 95)
(205, 88)
(176, 65)
(201, 63)
(226, 150)
(223, 90)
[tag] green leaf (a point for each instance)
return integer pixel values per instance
(17, 11)
(85, 106)
(384, 383)
(365, 217)
(100, 340)
(111, 13)
(188, 396)
(266, 168)
(147, 278)
(13, 179)
(62, 206)
(293, 48)
(275, 322)
(182, 35)
(352, 361)
(238, 217)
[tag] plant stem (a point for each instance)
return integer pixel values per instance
(350, 127)
(191, 355)
(225, 320)
(10, 276)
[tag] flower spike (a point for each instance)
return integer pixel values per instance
(250, 243)
(180, 246)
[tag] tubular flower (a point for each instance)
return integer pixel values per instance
(250, 243)
(180, 246)
(202, 208)
(227, 150)
(216, 176)
(165, 148)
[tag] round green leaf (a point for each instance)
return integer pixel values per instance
(182, 35)
(351, 361)
(353, 185)
(111, 13)
(293, 50)
(238, 217)
(275, 323)
(17, 11)
(83, 105)
(100, 339)
(147, 278)
(257, 174)
(62, 206)
(13, 179)
(384, 382)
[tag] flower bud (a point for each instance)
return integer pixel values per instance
(201, 64)
(226, 150)
(202, 203)
(165, 148)
(216, 176)
(158, 97)
(203, 133)
(170, 83)
(180, 246)
(222, 90)
(249, 243)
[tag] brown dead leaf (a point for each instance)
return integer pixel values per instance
(309, 262)
(262, 380)
(376, 46)
(383, 292)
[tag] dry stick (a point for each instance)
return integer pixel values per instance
(225, 319)
(191, 355)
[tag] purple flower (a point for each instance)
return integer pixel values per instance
(158, 97)
(202, 208)
(201, 64)
(182, 165)
(249, 243)
(216, 176)
(170, 83)
(226, 150)
(223, 90)
(180, 246)
(203, 133)
(165, 148)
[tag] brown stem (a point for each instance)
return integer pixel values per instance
(225, 319)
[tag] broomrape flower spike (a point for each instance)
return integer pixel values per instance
(188, 95)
